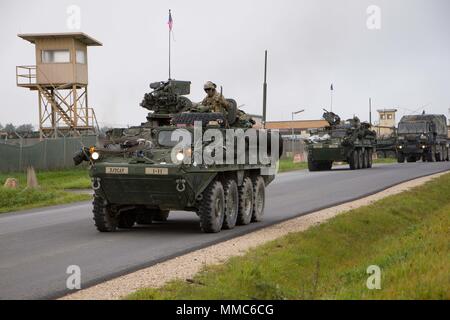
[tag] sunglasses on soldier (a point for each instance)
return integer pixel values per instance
(209, 89)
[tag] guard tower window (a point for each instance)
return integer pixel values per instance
(55, 56)
(382, 117)
(81, 56)
(389, 116)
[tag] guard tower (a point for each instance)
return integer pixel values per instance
(60, 76)
(386, 125)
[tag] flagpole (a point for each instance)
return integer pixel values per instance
(170, 53)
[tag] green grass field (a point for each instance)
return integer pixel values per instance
(51, 191)
(406, 235)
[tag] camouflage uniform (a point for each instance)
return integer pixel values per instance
(216, 103)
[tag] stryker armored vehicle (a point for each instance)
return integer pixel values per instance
(142, 173)
(344, 141)
(422, 137)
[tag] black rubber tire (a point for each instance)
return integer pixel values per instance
(212, 208)
(313, 165)
(127, 220)
(160, 215)
(365, 160)
(231, 204)
(144, 218)
(259, 199)
(431, 156)
(360, 159)
(245, 202)
(353, 161)
(400, 158)
(104, 219)
(369, 158)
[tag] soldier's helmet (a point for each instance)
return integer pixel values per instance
(209, 85)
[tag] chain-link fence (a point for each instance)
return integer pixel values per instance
(294, 149)
(57, 153)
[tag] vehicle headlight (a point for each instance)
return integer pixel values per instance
(95, 155)
(400, 147)
(423, 147)
(180, 156)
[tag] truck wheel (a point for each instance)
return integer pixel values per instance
(245, 202)
(313, 165)
(212, 208)
(104, 219)
(231, 204)
(400, 158)
(353, 161)
(431, 156)
(160, 215)
(438, 157)
(127, 220)
(259, 199)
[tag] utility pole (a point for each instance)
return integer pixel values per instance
(370, 111)
(265, 91)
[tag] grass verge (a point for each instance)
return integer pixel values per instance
(406, 235)
(288, 165)
(51, 191)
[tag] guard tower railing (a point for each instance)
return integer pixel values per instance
(26, 75)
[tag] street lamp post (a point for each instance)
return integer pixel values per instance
(292, 135)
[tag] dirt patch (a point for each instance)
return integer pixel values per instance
(186, 266)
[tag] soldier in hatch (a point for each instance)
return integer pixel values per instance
(214, 101)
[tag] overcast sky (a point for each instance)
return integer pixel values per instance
(311, 43)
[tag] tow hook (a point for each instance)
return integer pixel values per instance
(96, 183)
(181, 185)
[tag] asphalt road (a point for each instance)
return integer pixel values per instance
(37, 246)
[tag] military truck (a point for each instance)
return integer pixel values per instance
(142, 173)
(341, 141)
(422, 137)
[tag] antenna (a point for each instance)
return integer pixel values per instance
(265, 91)
(370, 111)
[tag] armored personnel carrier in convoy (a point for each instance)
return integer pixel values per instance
(173, 162)
(423, 137)
(350, 141)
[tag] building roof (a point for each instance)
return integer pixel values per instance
(298, 124)
(80, 36)
(387, 110)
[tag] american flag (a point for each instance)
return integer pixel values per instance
(170, 22)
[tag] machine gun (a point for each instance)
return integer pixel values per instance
(332, 118)
(167, 97)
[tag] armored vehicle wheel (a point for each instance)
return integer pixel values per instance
(325, 165)
(438, 157)
(245, 202)
(360, 159)
(400, 158)
(313, 165)
(369, 159)
(212, 208)
(127, 220)
(231, 204)
(353, 161)
(259, 198)
(431, 156)
(104, 219)
(144, 218)
(160, 215)
(365, 159)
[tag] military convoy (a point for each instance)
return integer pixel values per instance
(350, 141)
(422, 137)
(139, 175)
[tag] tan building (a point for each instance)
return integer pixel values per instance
(298, 127)
(60, 76)
(387, 121)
